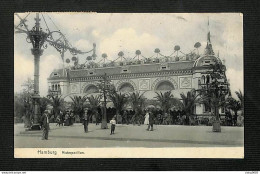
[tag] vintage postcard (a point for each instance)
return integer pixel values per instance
(128, 85)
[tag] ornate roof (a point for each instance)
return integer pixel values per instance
(206, 60)
(58, 74)
(142, 68)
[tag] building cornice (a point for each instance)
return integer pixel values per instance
(135, 75)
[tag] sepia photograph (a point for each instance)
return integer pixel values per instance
(141, 85)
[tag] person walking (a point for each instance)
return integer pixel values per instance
(151, 121)
(85, 121)
(67, 121)
(45, 126)
(113, 125)
(146, 120)
(58, 121)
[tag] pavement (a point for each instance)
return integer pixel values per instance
(129, 136)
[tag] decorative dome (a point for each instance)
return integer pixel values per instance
(206, 60)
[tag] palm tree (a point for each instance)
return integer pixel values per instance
(213, 102)
(119, 100)
(93, 104)
(241, 99)
(78, 105)
(188, 102)
(234, 105)
(166, 101)
(138, 102)
(57, 103)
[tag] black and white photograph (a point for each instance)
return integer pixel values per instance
(112, 85)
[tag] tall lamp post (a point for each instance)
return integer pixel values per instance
(37, 37)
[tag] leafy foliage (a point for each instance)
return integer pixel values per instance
(78, 105)
(233, 104)
(166, 100)
(188, 101)
(57, 103)
(93, 102)
(43, 104)
(23, 105)
(119, 100)
(241, 98)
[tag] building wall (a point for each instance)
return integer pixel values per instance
(181, 83)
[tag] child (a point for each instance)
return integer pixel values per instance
(113, 125)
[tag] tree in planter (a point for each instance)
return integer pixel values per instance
(138, 102)
(119, 100)
(214, 93)
(78, 105)
(188, 102)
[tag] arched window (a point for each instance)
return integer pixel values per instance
(207, 79)
(165, 85)
(126, 87)
(90, 89)
(52, 87)
(199, 83)
(203, 79)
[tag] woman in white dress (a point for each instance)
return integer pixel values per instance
(146, 120)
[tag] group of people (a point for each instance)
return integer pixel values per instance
(65, 119)
(86, 119)
(149, 118)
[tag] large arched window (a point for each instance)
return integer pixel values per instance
(126, 87)
(165, 85)
(90, 89)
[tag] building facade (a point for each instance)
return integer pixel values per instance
(175, 74)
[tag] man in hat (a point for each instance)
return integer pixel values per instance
(45, 126)
(85, 121)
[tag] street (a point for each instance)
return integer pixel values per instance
(129, 136)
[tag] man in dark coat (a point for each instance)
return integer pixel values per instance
(45, 126)
(85, 121)
(151, 121)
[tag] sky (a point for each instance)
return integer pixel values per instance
(128, 32)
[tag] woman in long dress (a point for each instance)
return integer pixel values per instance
(146, 120)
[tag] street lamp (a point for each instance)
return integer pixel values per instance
(38, 37)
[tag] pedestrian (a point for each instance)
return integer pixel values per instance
(151, 121)
(85, 121)
(113, 125)
(45, 126)
(97, 116)
(67, 121)
(146, 120)
(72, 118)
(58, 120)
